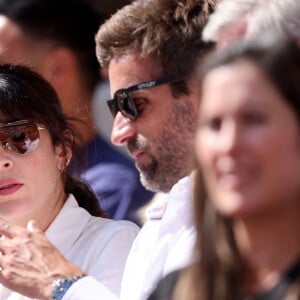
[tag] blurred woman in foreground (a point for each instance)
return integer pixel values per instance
(248, 149)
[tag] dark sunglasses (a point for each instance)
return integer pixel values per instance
(21, 137)
(123, 102)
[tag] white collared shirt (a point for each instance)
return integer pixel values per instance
(165, 243)
(97, 245)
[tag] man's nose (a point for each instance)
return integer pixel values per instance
(123, 130)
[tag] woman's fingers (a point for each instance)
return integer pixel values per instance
(9, 230)
(30, 262)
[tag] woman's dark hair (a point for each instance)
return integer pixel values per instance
(219, 273)
(25, 95)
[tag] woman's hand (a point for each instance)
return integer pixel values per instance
(29, 262)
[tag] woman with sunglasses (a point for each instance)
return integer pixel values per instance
(36, 147)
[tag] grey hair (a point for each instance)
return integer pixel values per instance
(281, 16)
(227, 11)
(260, 16)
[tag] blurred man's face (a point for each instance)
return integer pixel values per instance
(16, 47)
(231, 33)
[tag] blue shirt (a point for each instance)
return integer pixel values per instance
(115, 180)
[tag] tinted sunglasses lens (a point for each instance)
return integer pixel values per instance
(113, 106)
(127, 106)
(20, 138)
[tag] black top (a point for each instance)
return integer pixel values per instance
(280, 289)
(166, 286)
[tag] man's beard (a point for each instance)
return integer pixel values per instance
(173, 151)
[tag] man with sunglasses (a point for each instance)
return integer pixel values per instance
(151, 50)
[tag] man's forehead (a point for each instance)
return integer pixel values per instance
(134, 68)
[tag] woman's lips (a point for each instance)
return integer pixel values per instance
(236, 179)
(8, 187)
